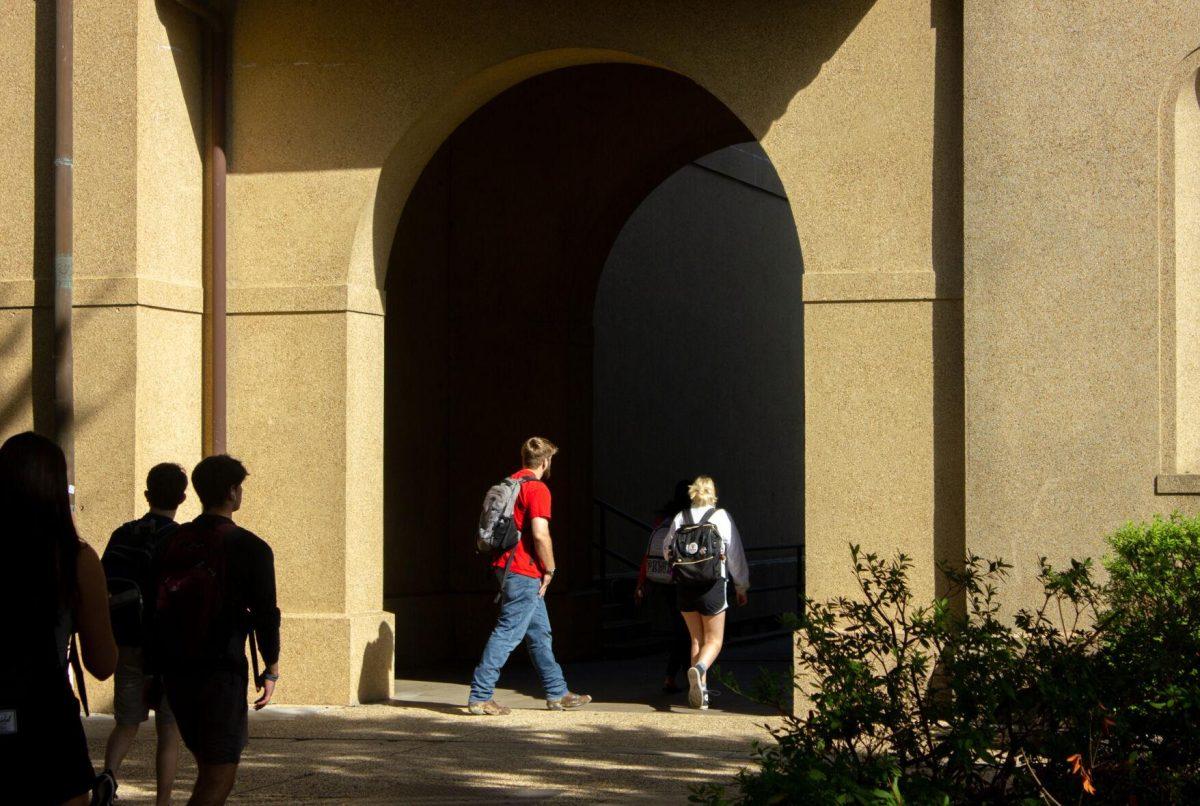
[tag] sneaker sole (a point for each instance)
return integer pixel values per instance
(485, 713)
(695, 688)
(558, 707)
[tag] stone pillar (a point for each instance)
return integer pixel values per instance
(306, 417)
(136, 248)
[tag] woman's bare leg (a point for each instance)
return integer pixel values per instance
(713, 630)
(696, 631)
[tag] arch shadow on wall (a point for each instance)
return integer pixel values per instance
(757, 91)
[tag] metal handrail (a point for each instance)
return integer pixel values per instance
(631, 569)
(605, 551)
(628, 563)
(623, 514)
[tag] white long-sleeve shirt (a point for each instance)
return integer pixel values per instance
(734, 565)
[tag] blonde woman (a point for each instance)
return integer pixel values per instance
(703, 603)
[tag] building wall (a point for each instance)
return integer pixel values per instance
(335, 113)
(137, 197)
(1063, 210)
(335, 110)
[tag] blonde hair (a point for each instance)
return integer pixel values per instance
(703, 492)
(537, 450)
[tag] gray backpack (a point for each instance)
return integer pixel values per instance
(497, 531)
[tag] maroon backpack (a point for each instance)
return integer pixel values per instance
(191, 583)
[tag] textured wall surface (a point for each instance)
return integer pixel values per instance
(335, 110)
(1062, 272)
(858, 105)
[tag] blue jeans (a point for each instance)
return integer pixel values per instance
(522, 616)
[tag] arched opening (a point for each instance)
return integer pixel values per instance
(491, 287)
(698, 368)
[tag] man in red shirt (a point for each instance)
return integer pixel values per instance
(523, 617)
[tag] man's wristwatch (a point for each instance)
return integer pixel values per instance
(549, 572)
(268, 676)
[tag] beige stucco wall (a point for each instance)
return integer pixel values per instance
(334, 110)
(136, 247)
(1062, 311)
(786, 70)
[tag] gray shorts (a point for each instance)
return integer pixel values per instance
(129, 703)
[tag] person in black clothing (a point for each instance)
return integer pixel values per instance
(655, 591)
(216, 584)
(53, 587)
(128, 564)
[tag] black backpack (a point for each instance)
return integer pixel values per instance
(695, 551)
(191, 594)
(128, 563)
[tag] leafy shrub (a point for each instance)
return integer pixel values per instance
(1094, 693)
(1151, 662)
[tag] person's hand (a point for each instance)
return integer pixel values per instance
(742, 598)
(639, 594)
(546, 580)
(267, 687)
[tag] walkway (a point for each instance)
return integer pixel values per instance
(422, 748)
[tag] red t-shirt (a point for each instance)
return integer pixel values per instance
(532, 502)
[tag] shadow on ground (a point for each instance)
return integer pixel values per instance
(404, 754)
(631, 745)
(628, 685)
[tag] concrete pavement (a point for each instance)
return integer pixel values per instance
(413, 754)
(422, 747)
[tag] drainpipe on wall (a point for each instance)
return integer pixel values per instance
(64, 272)
(214, 352)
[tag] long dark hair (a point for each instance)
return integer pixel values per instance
(41, 548)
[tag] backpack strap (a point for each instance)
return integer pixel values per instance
(512, 552)
(708, 515)
(687, 517)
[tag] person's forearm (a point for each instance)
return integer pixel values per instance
(544, 549)
(739, 569)
(266, 630)
(97, 646)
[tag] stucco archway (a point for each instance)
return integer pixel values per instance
(491, 280)
(416, 146)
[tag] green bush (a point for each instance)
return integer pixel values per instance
(1150, 631)
(1094, 694)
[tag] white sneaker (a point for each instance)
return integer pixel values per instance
(697, 697)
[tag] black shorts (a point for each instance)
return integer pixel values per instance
(707, 600)
(44, 753)
(211, 710)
